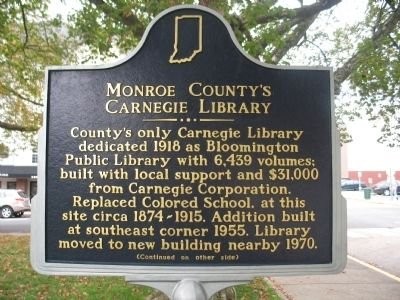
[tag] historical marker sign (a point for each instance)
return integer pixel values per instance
(189, 158)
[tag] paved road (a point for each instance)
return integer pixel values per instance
(374, 231)
(381, 212)
(16, 225)
(373, 265)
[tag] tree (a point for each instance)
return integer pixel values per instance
(376, 65)
(273, 33)
(365, 56)
(29, 41)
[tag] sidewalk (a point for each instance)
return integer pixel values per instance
(359, 280)
(356, 282)
(375, 199)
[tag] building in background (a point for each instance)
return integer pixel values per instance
(19, 171)
(372, 177)
(365, 159)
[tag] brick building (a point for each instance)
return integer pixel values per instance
(373, 177)
(370, 163)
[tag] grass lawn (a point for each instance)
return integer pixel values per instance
(19, 281)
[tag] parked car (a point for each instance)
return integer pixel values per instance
(13, 203)
(352, 185)
(383, 188)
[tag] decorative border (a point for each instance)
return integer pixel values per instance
(164, 276)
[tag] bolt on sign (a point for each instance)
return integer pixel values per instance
(189, 159)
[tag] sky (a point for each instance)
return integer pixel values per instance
(364, 153)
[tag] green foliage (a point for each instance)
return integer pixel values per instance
(4, 150)
(30, 40)
(377, 76)
(367, 53)
(114, 27)
(258, 289)
(20, 281)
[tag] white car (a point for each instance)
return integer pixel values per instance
(13, 203)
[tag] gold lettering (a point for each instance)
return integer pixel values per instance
(106, 189)
(140, 90)
(185, 231)
(114, 106)
(118, 230)
(225, 107)
(264, 245)
(194, 245)
(199, 89)
(75, 244)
